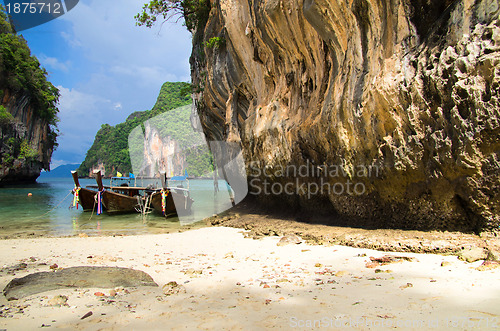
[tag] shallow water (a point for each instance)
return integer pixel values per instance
(49, 212)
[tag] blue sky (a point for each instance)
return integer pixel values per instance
(105, 67)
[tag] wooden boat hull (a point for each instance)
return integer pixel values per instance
(117, 203)
(183, 203)
(86, 199)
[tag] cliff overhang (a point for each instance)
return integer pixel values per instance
(409, 88)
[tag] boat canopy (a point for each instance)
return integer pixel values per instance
(185, 177)
(179, 178)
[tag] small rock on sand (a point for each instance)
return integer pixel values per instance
(473, 254)
(86, 315)
(173, 288)
(493, 255)
(289, 239)
(406, 285)
(488, 265)
(58, 300)
(193, 272)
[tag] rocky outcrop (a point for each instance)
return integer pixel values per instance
(99, 167)
(26, 140)
(160, 153)
(76, 277)
(400, 98)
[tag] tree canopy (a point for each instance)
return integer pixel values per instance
(194, 12)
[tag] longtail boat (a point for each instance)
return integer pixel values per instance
(170, 201)
(115, 201)
(84, 197)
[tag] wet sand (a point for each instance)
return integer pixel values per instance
(227, 281)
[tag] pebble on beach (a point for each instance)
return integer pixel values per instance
(289, 239)
(173, 288)
(58, 300)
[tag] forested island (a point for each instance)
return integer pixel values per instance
(110, 151)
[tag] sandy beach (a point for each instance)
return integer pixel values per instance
(227, 281)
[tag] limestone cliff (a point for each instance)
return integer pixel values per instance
(158, 153)
(26, 140)
(409, 88)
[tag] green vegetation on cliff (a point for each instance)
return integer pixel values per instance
(111, 142)
(194, 12)
(22, 77)
(21, 73)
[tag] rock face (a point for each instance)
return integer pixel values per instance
(99, 167)
(26, 126)
(160, 154)
(399, 97)
(76, 277)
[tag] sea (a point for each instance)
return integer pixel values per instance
(49, 212)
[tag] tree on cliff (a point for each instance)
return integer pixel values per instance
(194, 12)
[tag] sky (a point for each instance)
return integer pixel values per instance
(105, 67)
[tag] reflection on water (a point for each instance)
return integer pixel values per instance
(49, 211)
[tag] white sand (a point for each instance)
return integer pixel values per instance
(326, 287)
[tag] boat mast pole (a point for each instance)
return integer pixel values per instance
(163, 176)
(75, 178)
(98, 179)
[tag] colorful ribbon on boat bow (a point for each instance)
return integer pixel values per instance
(99, 202)
(76, 197)
(164, 194)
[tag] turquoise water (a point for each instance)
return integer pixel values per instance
(48, 213)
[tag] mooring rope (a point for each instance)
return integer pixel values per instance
(93, 208)
(34, 218)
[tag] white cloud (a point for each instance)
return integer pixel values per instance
(145, 76)
(107, 34)
(80, 117)
(117, 66)
(70, 39)
(53, 63)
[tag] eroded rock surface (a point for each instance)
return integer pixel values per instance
(76, 277)
(408, 89)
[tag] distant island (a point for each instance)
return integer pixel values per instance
(61, 171)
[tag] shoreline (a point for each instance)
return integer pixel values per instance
(258, 223)
(228, 281)
(262, 223)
